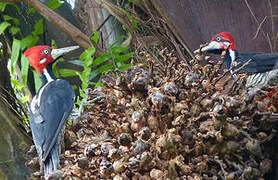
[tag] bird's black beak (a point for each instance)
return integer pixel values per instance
(57, 53)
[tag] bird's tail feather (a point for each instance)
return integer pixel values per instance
(52, 162)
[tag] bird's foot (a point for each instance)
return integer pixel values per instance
(33, 164)
(55, 175)
(36, 175)
(32, 151)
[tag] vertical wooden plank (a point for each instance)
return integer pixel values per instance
(197, 21)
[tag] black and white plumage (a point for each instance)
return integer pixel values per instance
(49, 111)
(261, 68)
(50, 107)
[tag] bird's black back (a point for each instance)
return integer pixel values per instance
(260, 63)
(49, 114)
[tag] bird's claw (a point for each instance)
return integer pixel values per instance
(54, 175)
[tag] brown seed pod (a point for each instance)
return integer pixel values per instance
(156, 174)
(124, 139)
(145, 133)
(83, 162)
(206, 103)
(170, 89)
(230, 131)
(254, 147)
(119, 166)
(169, 120)
(105, 169)
(153, 123)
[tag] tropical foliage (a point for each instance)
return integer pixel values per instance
(117, 57)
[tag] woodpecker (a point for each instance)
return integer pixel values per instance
(50, 107)
(261, 68)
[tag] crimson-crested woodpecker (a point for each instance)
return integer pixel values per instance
(50, 107)
(260, 69)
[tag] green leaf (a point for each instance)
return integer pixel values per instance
(17, 84)
(119, 49)
(24, 99)
(3, 6)
(95, 36)
(24, 69)
(87, 54)
(128, 14)
(93, 75)
(88, 62)
(54, 4)
(135, 23)
(101, 59)
(82, 94)
(54, 67)
(78, 101)
(124, 27)
(31, 11)
(3, 26)
(121, 38)
(86, 73)
(38, 27)
(85, 80)
(15, 6)
(82, 78)
(105, 68)
(124, 67)
(77, 62)
(67, 72)
(14, 30)
(9, 18)
(15, 53)
(29, 41)
(69, 122)
(84, 86)
(37, 80)
(53, 44)
(74, 87)
(99, 83)
(123, 58)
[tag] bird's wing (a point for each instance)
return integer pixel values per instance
(49, 111)
(261, 62)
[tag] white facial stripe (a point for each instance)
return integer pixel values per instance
(47, 75)
(33, 105)
(233, 55)
(42, 60)
(40, 93)
(227, 44)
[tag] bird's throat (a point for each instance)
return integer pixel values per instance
(47, 76)
(230, 58)
(232, 55)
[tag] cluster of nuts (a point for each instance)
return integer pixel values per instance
(173, 121)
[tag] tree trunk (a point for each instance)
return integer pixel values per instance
(14, 141)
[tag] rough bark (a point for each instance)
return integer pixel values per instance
(14, 141)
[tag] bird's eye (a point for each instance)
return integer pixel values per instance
(218, 38)
(46, 51)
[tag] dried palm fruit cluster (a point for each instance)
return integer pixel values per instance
(172, 121)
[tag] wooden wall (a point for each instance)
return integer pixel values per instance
(195, 21)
